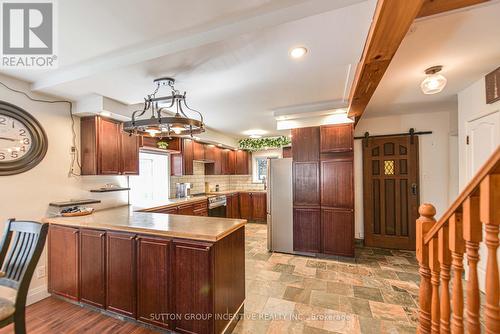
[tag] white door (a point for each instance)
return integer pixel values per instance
(484, 138)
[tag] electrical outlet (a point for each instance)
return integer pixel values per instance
(40, 272)
(73, 149)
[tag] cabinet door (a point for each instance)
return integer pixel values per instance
(246, 206)
(242, 162)
(120, 269)
(198, 151)
(176, 164)
(187, 156)
(287, 152)
(229, 206)
(306, 183)
(224, 162)
(305, 143)
(338, 231)
(337, 184)
(259, 204)
(231, 162)
(187, 210)
(93, 267)
(336, 138)
(129, 154)
(153, 280)
(236, 206)
(63, 261)
(218, 161)
(193, 285)
(109, 151)
(306, 230)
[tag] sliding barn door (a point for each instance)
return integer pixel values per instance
(390, 191)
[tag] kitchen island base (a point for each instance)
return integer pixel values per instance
(181, 285)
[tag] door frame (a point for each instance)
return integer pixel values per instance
(368, 237)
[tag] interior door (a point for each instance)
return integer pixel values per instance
(390, 191)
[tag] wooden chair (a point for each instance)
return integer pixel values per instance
(18, 261)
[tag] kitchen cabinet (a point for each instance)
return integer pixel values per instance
(243, 163)
(185, 209)
(307, 230)
(93, 267)
(63, 261)
(253, 206)
(306, 183)
(305, 143)
(182, 163)
(225, 162)
(287, 152)
(337, 231)
(151, 143)
(233, 206)
(336, 138)
(213, 153)
(199, 208)
(231, 162)
(105, 149)
(193, 285)
(198, 150)
(337, 183)
(121, 275)
(154, 280)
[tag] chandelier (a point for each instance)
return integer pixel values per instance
(161, 123)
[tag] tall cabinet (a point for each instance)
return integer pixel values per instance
(323, 190)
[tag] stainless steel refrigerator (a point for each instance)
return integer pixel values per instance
(279, 205)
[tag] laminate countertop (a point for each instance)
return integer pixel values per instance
(166, 225)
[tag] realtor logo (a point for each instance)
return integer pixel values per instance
(28, 34)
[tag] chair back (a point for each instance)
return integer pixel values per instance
(20, 249)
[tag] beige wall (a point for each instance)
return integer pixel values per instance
(27, 195)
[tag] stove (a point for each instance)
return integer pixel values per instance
(217, 206)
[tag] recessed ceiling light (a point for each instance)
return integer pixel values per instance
(298, 52)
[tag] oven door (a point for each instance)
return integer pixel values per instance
(219, 211)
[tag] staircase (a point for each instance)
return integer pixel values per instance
(441, 247)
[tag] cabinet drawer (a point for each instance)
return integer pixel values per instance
(200, 206)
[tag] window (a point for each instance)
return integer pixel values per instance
(261, 164)
(152, 184)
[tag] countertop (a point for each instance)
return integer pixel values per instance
(177, 226)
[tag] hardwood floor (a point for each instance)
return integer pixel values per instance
(53, 315)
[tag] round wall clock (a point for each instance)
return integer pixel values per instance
(23, 142)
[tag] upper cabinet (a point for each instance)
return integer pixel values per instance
(305, 143)
(106, 149)
(243, 163)
(336, 138)
(199, 151)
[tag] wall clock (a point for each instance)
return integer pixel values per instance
(23, 142)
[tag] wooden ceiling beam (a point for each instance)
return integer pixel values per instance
(432, 7)
(391, 22)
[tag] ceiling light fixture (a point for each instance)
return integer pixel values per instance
(255, 136)
(298, 52)
(169, 126)
(434, 83)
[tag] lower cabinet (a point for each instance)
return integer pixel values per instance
(120, 297)
(307, 230)
(245, 206)
(63, 261)
(253, 206)
(187, 210)
(193, 286)
(154, 281)
(337, 231)
(93, 267)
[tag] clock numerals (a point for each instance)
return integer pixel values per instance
(14, 154)
(22, 132)
(26, 141)
(2, 156)
(3, 121)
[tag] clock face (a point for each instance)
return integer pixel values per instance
(15, 139)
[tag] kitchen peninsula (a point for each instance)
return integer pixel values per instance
(165, 270)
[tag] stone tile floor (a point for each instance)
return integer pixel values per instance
(375, 292)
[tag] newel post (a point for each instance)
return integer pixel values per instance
(424, 224)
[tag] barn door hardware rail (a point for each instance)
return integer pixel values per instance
(410, 133)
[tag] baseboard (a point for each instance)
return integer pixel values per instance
(37, 294)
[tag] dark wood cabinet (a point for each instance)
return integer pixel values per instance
(305, 143)
(213, 153)
(105, 149)
(337, 183)
(121, 276)
(93, 267)
(307, 230)
(259, 205)
(198, 151)
(336, 138)
(63, 262)
(306, 183)
(245, 206)
(287, 152)
(233, 206)
(243, 162)
(193, 285)
(231, 162)
(337, 231)
(187, 209)
(154, 280)
(200, 209)
(182, 163)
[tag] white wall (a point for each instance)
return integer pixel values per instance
(434, 156)
(27, 195)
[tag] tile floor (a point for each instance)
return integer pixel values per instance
(376, 292)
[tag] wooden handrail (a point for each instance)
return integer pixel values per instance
(492, 166)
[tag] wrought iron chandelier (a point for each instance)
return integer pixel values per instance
(168, 126)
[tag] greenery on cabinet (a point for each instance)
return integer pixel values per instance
(162, 144)
(258, 144)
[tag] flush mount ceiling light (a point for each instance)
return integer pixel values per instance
(168, 126)
(298, 52)
(434, 82)
(254, 133)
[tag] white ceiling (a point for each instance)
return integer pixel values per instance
(230, 56)
(465, 42)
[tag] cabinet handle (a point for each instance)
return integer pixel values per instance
(101, 234)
